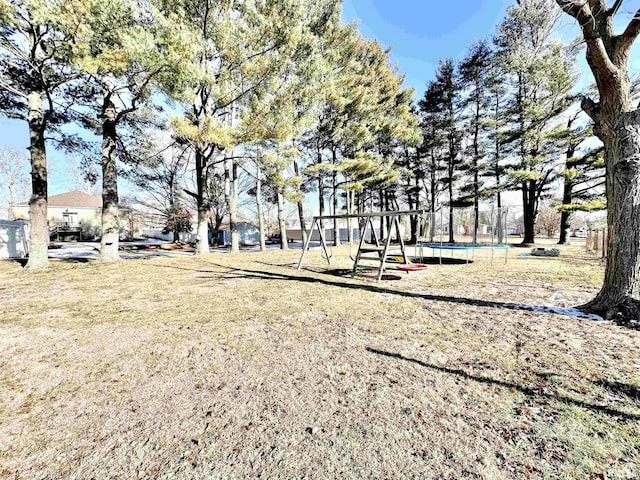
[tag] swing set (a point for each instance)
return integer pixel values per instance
(377, 250)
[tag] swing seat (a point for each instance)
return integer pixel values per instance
(412, 267)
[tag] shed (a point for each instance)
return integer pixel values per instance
(249, 234)
(14, 239)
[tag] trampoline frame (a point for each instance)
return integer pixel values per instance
(465, 247)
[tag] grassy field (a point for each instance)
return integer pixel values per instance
(240, 366)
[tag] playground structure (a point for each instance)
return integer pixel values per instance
(378, 247)
(491, 232)
(375, 246)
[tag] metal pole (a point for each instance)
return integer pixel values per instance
(306, 245)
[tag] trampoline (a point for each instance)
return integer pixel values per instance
(466, 247)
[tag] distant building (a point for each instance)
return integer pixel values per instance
(248, 233)
(72, 216)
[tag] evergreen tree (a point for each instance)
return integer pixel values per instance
(441, 102)
(133, 50)
(474, 73)
(244, 50)
(37, 49)
(542, 78)
(583, 172)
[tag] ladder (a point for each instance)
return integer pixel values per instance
(381, 252)
(379, 249)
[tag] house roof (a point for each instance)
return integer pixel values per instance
(75, 199)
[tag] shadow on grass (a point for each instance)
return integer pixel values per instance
(265, 275)
(512, 386)
(619, 388)
(73, 260)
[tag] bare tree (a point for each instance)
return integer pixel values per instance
(14, 177)
(548, 221)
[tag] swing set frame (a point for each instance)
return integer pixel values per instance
(379, 247)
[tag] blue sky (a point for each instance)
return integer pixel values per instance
(420, 32)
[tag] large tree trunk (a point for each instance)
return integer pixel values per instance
(334, 185)
(202, 229)
(349, 212)
(499, 225)
(567, 194)
(39, 230)
(451, 239)
(529, 214)
(263, 245)
(110, 211)
(381, 210)
(476, 180)
(320, 189)
(619, 129)
(564, 215)
(620, 294)
(303, 226)
(284, 244)
(231, 196)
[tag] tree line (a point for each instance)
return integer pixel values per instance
(285, 96)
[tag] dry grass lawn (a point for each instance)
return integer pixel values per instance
(240, 366)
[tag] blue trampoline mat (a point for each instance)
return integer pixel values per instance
(460, 246)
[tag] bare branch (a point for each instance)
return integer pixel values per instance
(626, 39)
(591, 108)
(614, 9)
(596, 51)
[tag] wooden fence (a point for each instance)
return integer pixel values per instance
(597, 241)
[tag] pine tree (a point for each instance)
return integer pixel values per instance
(541, 76)
(37, 47)
(441, 103)
(133, 50)
(474, 72)
(583, 171)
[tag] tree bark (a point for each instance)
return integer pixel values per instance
(451, 239)
(320, 188)
(281, 223)
(620, 294)
(303, 226)
(334, 185)
(529, 211)
(110, 211)
(349, 212)
(564, 215)
(476, 156)
(202, 229)
(39, 230)
(499, 224)
(263, 245)
(231, 197)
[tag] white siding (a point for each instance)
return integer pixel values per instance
(14, 239)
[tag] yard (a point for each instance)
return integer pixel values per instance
(239, 366)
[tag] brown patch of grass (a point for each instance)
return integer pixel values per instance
(236, 365)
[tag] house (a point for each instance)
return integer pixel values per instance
(72, 215)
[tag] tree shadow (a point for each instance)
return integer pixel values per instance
(618, 388)
(512, 386)
(374, 288)
(73, 259)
